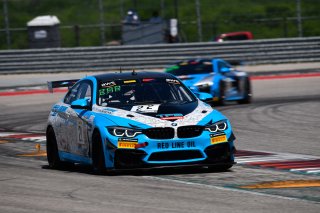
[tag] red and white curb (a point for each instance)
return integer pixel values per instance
(283, 161)
(306, 164)
(34, 137)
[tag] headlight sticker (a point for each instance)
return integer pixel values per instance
(126, 143)
(217, 127)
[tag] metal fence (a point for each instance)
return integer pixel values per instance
(158, 56)
(94, 23)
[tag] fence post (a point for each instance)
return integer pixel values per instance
(76, 29)
(285, 27)
(6, 23)
(299, 21)
(199, 20)
(102, 30)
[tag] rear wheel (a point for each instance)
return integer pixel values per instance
(221, 97)
(52, 150)
(98, 160)
(247, 96)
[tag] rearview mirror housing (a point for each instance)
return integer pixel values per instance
(203, 96)
(80, 104)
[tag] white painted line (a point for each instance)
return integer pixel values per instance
(35, 139)
(224, 188)
(313, 171)
(284, 157)
(305, 169)
(6, 134)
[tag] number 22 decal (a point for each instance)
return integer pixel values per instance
(151, 108)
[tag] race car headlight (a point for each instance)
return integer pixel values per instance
(218, 126)
(123, 132)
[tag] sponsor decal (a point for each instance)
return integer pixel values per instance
(176, 145)
(105, 91)
(125, 143)
(150, 108)
(218, 138)
(129, 81)
(108, 84)
(184, 77)
(172, 81)
(175, 116)
(148, 79)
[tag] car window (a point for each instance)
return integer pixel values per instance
(84, 91)
(142, 91)
(192, 67)
(71, 95)
(222, 65)
(236, 37)
(79, 91)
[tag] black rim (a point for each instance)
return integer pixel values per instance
(98, 155)
(52, 150)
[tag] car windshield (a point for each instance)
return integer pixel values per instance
(143, 91)
(190, 67)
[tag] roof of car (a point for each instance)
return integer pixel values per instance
(132, 75)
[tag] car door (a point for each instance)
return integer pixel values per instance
(74, 125)
(62, 122)
(81, 122)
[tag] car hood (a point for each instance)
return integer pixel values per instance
(166, 116)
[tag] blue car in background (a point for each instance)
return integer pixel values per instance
(133, 120)
(216, 77)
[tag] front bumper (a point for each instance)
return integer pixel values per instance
(220, 154)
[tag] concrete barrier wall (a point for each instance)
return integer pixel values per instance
(269, 51)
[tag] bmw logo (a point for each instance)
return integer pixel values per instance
(174, 124)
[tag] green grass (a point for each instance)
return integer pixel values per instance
(218, 16)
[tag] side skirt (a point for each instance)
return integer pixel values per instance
(65, 156)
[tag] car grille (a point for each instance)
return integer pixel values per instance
(189, 131)
(175, 155)
(159, 133)
(168, 132)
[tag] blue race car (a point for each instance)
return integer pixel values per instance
(130, 120)
(216, 77)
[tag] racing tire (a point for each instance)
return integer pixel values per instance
(52, 150)
(221, 101)
(220, 168)
(247, 97)
(98, 159)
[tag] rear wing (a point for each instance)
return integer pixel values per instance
(58, 84)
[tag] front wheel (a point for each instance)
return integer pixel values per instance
(220, 168)
(98, 160)
(52, 150)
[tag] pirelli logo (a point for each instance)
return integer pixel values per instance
(127, 144)
(215, 139)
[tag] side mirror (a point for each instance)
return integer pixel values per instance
(203, 96)
(225, 69)
(80, 104)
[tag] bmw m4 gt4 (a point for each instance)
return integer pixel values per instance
(136, 120)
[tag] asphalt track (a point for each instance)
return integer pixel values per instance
(282, 124)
